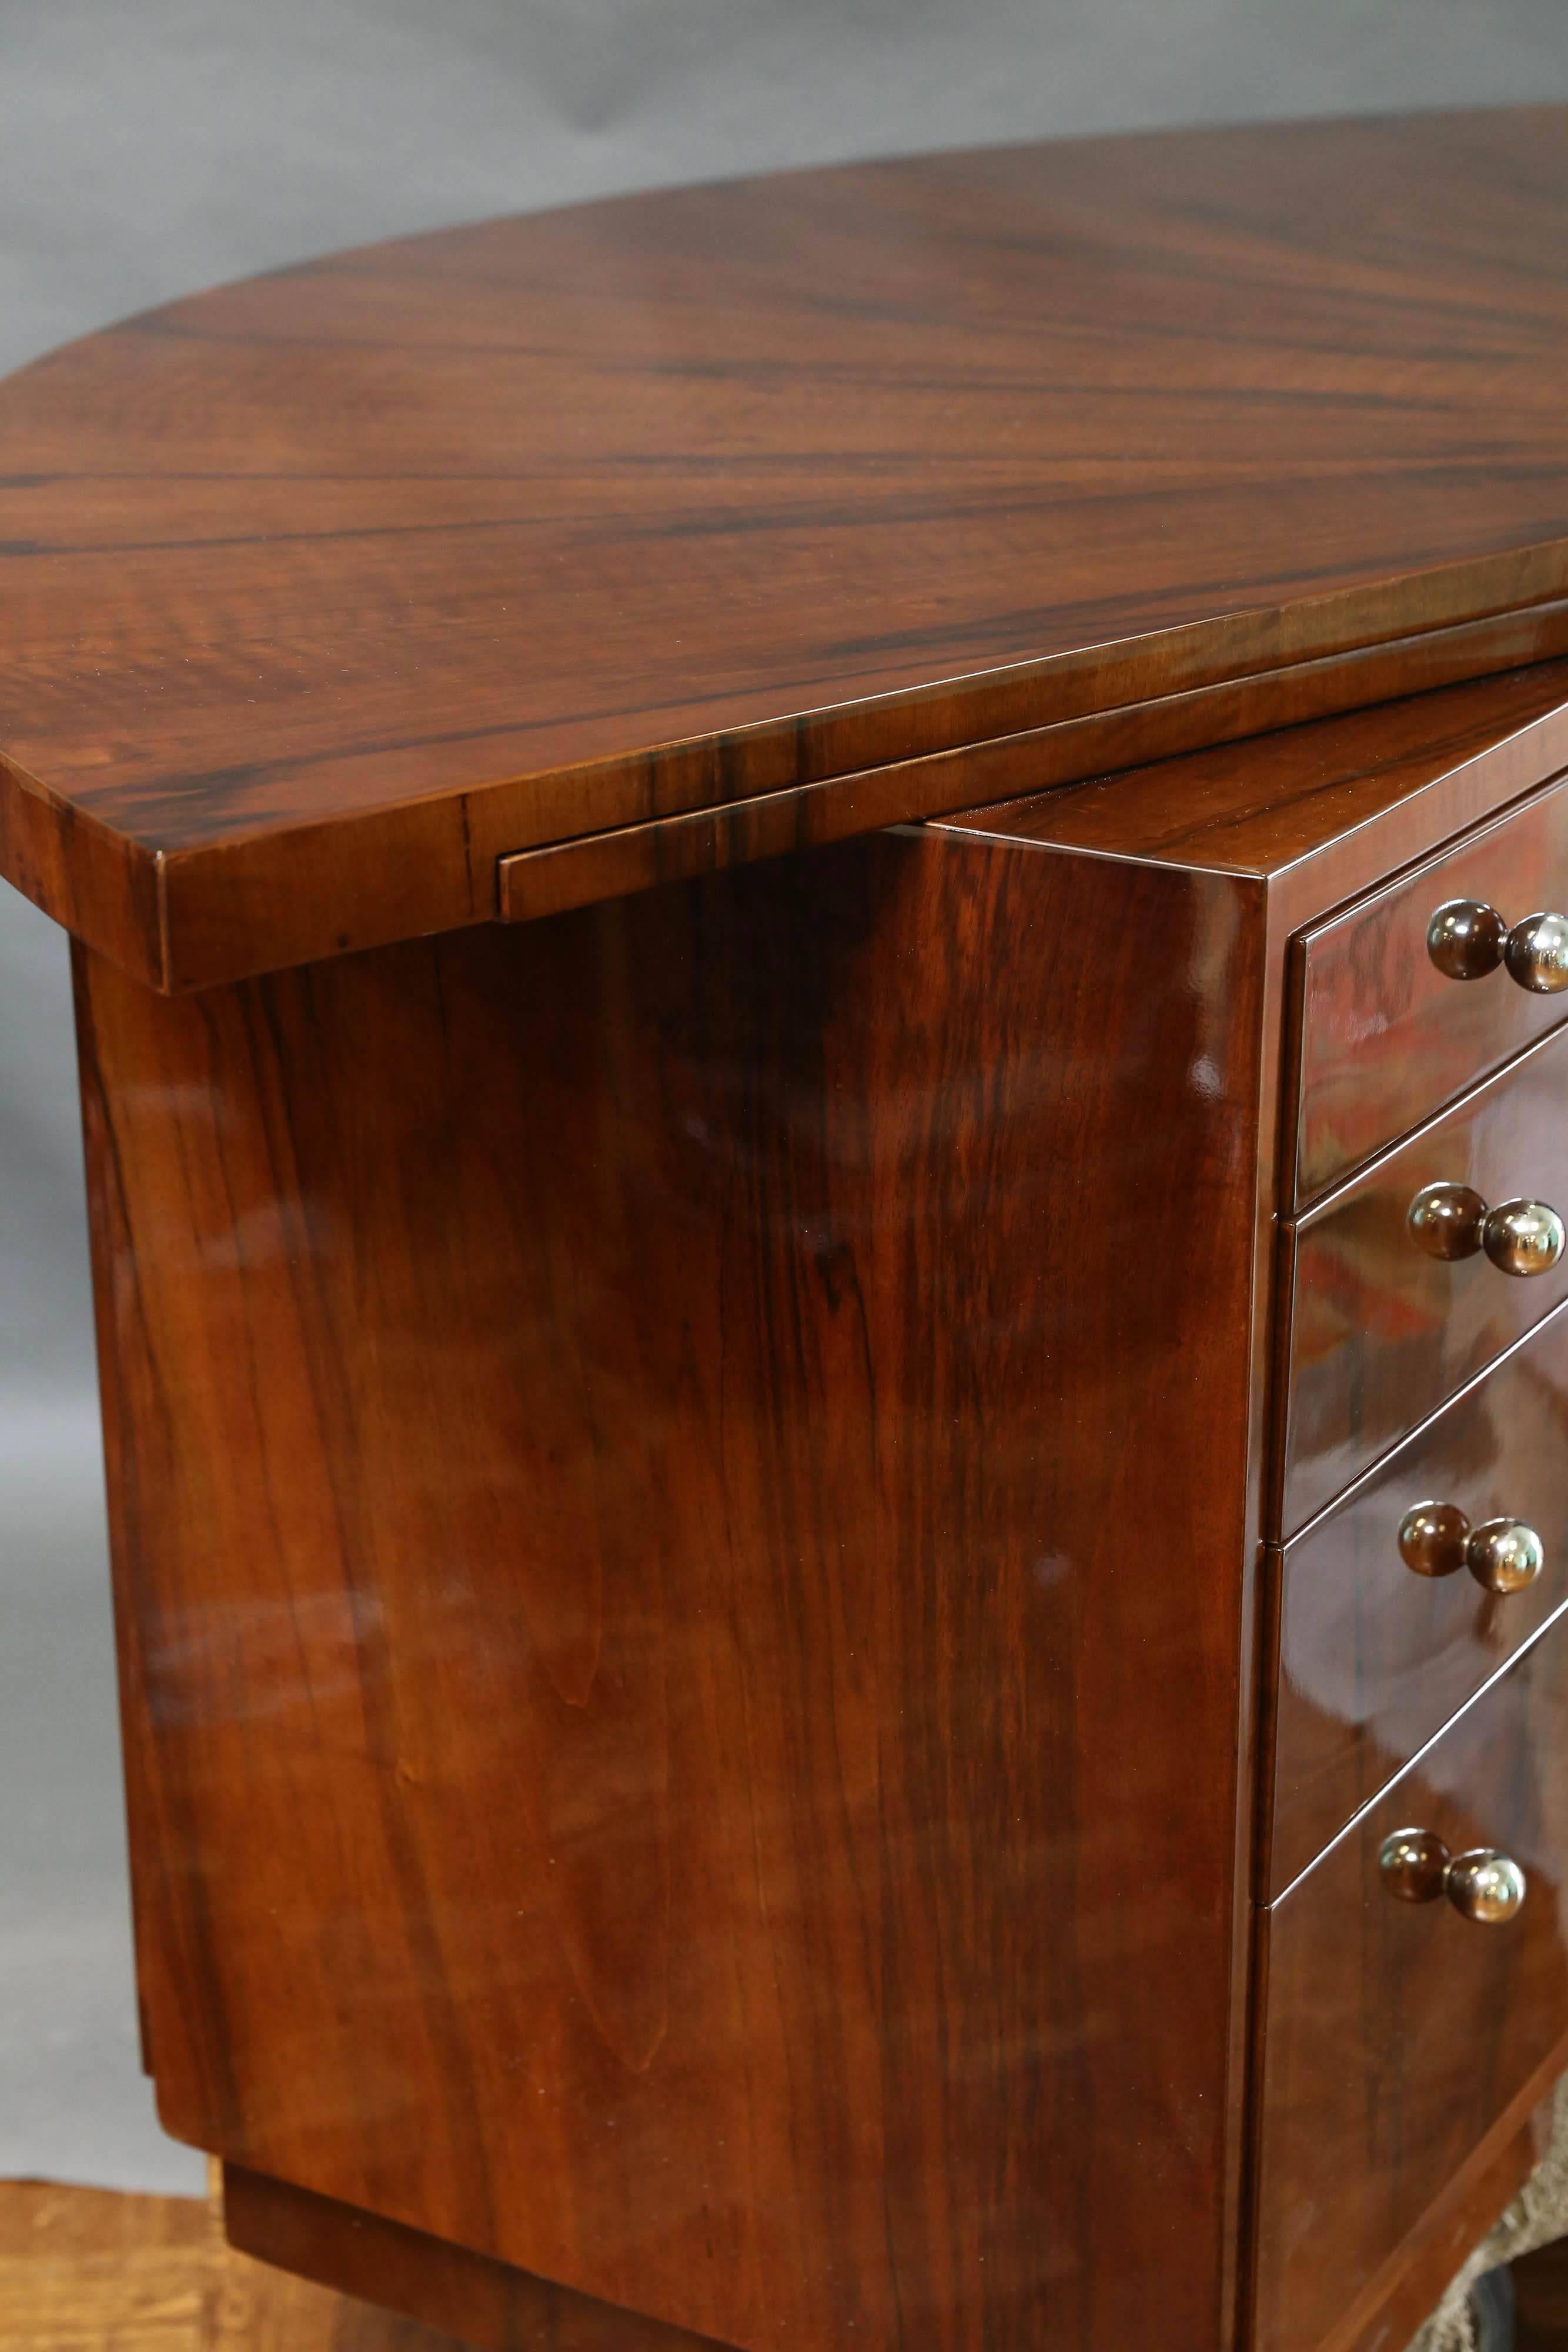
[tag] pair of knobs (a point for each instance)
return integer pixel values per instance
(1505, 1556)
(1467, 939)
(1438, 1540)
(1519, 1237)
(1483, 1885)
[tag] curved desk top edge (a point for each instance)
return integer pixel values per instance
(719, 516)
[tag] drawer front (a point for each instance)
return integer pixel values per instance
(1387, 1037)
(1398, 2032)
(1382, 1332)
(1375, 1654)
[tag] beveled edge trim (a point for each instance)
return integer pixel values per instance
(261, 901)
(251, 902)
(552, 877)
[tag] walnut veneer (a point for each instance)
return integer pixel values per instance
(746, 505)
(752, 1494)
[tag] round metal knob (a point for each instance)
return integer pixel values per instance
(1447, 1220)
(1467, 939)
(1433, 1537)
(1504, 1555)
(1523, 1237)
(1483, 1885)
(1414, 1864)
(1452, 1222)
(1537, 954)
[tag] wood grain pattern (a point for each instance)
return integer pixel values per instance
(1396, 2299)
(633, 1578)
(632, 1571)
(325, 590)
(493, 2308)
(82, 2268)
(1387, 1037)
(1355, 795)
(1372, 1659)
(1381, 1333)
(575, 873)
(1402, 2040)
(89, 2270)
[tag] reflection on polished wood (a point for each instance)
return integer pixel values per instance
(1484, 1886)
(1400, 2034)
(584, 867)
(633, 1584)
(1392, 1025)
(1352, 798)
(645, 1504)
(1406, 2290)
(1382, 1331)
(1520, 1237)
(1374, 1660)
(700, 1450)
(489, 2303)
(327, 590)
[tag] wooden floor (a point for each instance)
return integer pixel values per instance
(83, 2270)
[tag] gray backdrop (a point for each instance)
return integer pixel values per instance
(148, 147)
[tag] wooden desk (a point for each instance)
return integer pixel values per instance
(764, 1506)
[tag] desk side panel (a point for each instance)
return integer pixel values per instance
(678, 1479)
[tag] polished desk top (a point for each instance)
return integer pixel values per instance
(751, 1340)
(324, 592)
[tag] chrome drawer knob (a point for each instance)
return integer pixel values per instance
(1467, 939)
(1452, 1222)
(1523, 1237)
(1415, 1866)
(1484, 1886)
(1537, 954)
(1503, 1555)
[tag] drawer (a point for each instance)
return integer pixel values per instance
(1387, 1039)
(1382, 1332)
(1375, 1655)
(1396, 2032)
